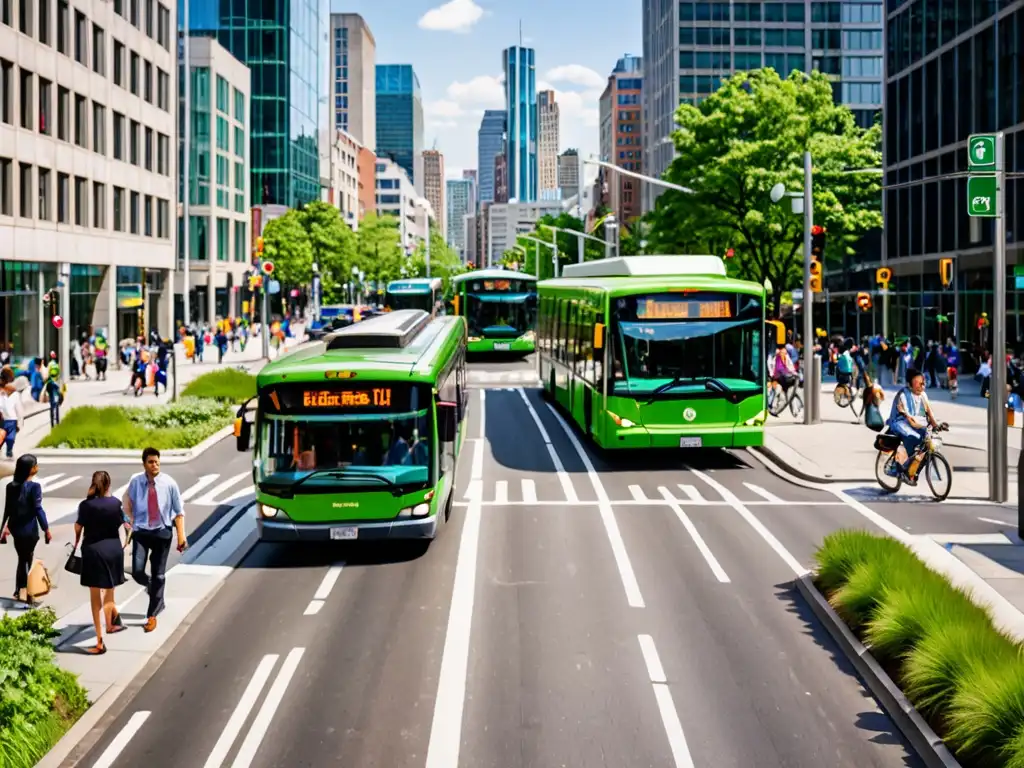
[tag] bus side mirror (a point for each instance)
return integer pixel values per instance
(599, 336)
(243, 434)
(447, 421)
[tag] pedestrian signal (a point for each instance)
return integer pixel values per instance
(946, 272)
(882, 276)
(864, 301)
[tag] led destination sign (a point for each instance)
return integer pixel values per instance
(682, 309)
(378, 397)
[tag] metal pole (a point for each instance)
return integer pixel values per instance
(265, 321)
(858, 326)
(427, 252)
(810, 413)
(956, 303)
(998, 469)
(554, 251)
(582, 248)
(186, 176)
(174, 372)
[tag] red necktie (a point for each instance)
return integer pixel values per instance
(154, 506)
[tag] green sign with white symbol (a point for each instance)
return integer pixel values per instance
(981, 196)
(981, 152)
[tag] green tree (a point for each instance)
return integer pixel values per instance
(379, 249)
(333, 246)
(287, 245)
(568, 245)
(444, 261)
(742, 140)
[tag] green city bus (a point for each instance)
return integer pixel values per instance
(357, 435)
(655, 352)
(500, 307)
(416, 293)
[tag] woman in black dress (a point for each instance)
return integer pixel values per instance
(23, 517)
(101, 519)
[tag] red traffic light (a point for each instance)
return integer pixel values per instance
(267, 267)
(817, 229)
(730, 253)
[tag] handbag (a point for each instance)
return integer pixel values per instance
(39, 583)
(74, 562)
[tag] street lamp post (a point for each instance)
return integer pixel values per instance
(580, 237)
(537, 242)
(186, 175)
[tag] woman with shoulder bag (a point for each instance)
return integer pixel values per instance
(100, 519)
(23, 517)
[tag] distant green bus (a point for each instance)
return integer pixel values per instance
(655, 352)
(358, 435)
(500, 307)
(417, 293)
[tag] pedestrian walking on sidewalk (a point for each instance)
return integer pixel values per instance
(23, 517)
(98, 527)
(10, 410)
(153, 505)
(54, 389)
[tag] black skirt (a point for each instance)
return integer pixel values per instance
(103, 564)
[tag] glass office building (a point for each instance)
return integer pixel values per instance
(399, 116)
(280, 41)
(489, 141)
(519, 66)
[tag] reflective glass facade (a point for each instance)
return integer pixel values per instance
(519, 66)
(399, 115)
(489, 143)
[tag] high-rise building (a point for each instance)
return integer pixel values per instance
(521, 107)
(501, 191)
(342, 188)
(397, 197)
(547, 146)
(689, 47)
(505, 221)
(470, 175)
(399, 116)
(460, 197)
(433, 187)
(366, 165)
(489, 144)
(569, 173)
(353, 78)
(621, 136)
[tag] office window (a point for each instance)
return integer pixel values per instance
(239, 142)
(164, 26)
(862, 40)
(239, 241)
(81, 202)
(25, 99)
(795, 13)
(63, 192)
(862, 66)
(99, 51)
(147, 82)
(81, 121)
(99, 128)
(150, 14)
(222, 95)
(24, 16)
(45, 214)
(63, 24)
(118, 136)
(133, 214)
(223, 232)
(45, 107)
(63, 113)
(133, 143)
(81, 39)
(44, 22)
(25, 190)
(6, 91)
(162, 145)
(133, 74)
(746, 11)
(163, 89)
(148, 156)
(133, 12)
(223, 135)
(118, 209)
(239, 106)
(99, 205)
(162, 215)
(6, 186)
(147, 216)
(118, 63)
(119, 8)
(861, 13)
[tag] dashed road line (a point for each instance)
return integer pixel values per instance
(242, 711)
(117, 746)
(705, 550)
(265, 717)
(324, 590)
(667, 708)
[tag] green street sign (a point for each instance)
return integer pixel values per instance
(982, 192)
(981, 152)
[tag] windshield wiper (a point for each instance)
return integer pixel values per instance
(392, 485)
(717, 385)
(670, 385)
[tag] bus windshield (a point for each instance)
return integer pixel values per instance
(410, 300)
(688, 339)
(505, 315)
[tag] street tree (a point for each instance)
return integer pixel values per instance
(568, 245)
(742, 140)
(333, 247)
(444, 261)
(379, 249)
(287, 245)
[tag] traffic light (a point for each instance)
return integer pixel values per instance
(882, 276)
(818, 242)
(946, 272)
(259, 247)
(864, 301)
(816, 276)
(730, 253)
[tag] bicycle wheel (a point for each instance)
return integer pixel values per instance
(884, 463)
(857, 405)
(796, 405)
(778, 404)
(939, 475)
(841, 395)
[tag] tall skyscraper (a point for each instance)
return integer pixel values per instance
(521, 105)
(621, 137)
(434, 187)
(470, 174)
(569, 173)
(845, 40)
(459, 194)
(547, 146)
(353, 78)
(489, 143)
(399, 116)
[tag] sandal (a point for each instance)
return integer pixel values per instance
(97, 650)
(116, 628)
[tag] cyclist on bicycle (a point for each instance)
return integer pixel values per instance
(845, 365)
(785, 370)
(910, 416)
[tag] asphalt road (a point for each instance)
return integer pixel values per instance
(578, 610)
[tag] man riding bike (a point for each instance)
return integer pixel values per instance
(910, 416)
(785, 371)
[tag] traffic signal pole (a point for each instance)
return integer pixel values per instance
(811, 415)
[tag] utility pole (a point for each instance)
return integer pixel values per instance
(810, 415)
(554, 251)
(427, 252)
(186, 175)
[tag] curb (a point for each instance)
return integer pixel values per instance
(797, 472)
(131, 456)
(932, 750)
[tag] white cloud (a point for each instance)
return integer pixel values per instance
(576, 74)
(453, 16)
(443, 108)
(482, 91)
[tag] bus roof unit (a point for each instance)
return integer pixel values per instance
(648, 266)
(395, 330)
(415, 285)
(493, 274)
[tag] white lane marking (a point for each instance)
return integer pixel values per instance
(45, 481)
(563, 477)
(313, 608)
(475, 490)
(478, 455)
(194, 489)
(264, 718)
(705, 550)
(330, 579)
(691, 493)
(241, 714)
(501, 492)
(611, 526)
(654, 669)
(764, 493)
(483, 419)
(449, 704)
(890, 528)
(212, 498)
(754, 523)
(53, 486)
(638, 493)
(994, 522)
(529, 492)
(116, 747)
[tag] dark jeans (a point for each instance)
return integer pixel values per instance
(11, 428)
(55, 410)
(156, 546)
(25, 547)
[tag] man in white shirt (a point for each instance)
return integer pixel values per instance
(10, 409)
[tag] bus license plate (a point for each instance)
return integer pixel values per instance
(344, 533)
(502, 347)
(691, 442)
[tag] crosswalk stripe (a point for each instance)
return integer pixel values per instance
(45, 481)
(501, 492)
(638, 493)
(529, 492)
(763, 493)
(196, 487)
(54, 486)
(213, 497)
(690, 491)
(474, 492)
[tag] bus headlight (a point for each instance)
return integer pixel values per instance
(420, 510)
(758, 420)
(619, 421)
(528, 336)
(476, 338)
(269, 512)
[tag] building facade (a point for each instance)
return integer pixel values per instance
(688, 47)
(569, 173)
(547, 146)
(399, 116)
(366, 164)
(471, 175)
(622, 137)
(518, 64)
(87, 173)
(433, 187)
(353, 78)
(459, 193)
(506, 221)
(471, 244)
(397, 197)
(219, 238)
(489, 144)
(342, 190)
(501, 180)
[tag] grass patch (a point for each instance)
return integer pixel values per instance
(228, 385)
(183, 424)
(39, 701)
(964, 675)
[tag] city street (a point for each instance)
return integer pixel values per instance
(578, 610)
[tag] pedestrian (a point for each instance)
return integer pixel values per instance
(23, 517)
(10, 409)
(153, 505)
(101, 352)
(54, 389)
(100, 519)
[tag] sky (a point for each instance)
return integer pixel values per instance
(455, 48)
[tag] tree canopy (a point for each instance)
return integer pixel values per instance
(333, 245)
(444, 261)
(741, 141)
(525, 260)
(287, 245)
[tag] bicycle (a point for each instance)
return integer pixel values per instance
(778, 399)
(849, 396)
(890, 473)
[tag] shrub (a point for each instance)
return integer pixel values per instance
(228, 385)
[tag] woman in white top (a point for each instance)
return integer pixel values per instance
(10, 409)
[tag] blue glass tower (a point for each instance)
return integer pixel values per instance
(488, 144)
(399, 115)
(521, 105)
